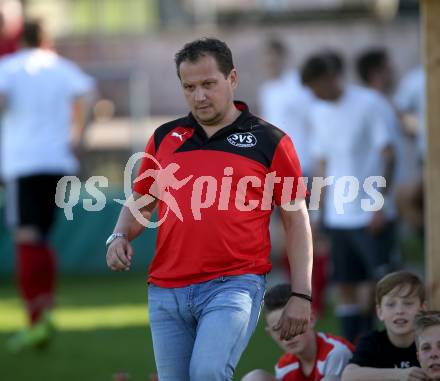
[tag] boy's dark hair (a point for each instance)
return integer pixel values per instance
(327, 63)
(424, 320)
(400, 279)
(370, 61)
(193, 51)
(277, 297)
(33, 33)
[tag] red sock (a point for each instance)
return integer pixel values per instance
(36, 273)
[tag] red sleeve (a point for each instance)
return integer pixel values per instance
(148, 163)
(285, 164)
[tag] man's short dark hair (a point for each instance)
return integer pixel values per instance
(370, 61)
(33, 33)
(326, 63)
(193, 51)
(277, 297)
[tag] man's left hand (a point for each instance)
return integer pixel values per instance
(295, 318)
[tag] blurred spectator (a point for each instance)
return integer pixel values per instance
(313, 355)
(280, 78)
(376, 72)
(40, 93)
(351, 142)
(11, 25)
(284, 101)
(411, 104)
(390, 354)
(427, 326)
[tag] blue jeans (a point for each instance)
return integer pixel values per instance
(200, 331)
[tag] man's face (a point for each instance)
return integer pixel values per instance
(383, 78)
(297, 344)
(327, 88)
(208, 93)
(428, 351)
(397, 310)
(387, 76)
(274, 62)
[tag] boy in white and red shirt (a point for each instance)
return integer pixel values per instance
(312, 356)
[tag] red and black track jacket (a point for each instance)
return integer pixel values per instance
(224, 207)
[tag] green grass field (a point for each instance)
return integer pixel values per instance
(102, 329)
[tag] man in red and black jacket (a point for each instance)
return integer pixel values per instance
(215, 176)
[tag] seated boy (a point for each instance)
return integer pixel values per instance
(427, 326)
(308, 357)
(391, 354)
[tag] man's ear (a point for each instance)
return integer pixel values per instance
(233, 77)
(424, 306)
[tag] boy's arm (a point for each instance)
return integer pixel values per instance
(355, 372)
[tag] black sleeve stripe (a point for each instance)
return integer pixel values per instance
(272, 137)
(276, 133)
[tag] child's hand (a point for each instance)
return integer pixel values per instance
(413, 374)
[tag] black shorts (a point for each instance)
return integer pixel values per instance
(357, 255)
(30, 201)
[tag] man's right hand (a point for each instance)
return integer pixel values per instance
(413, 374)
(119, 254)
